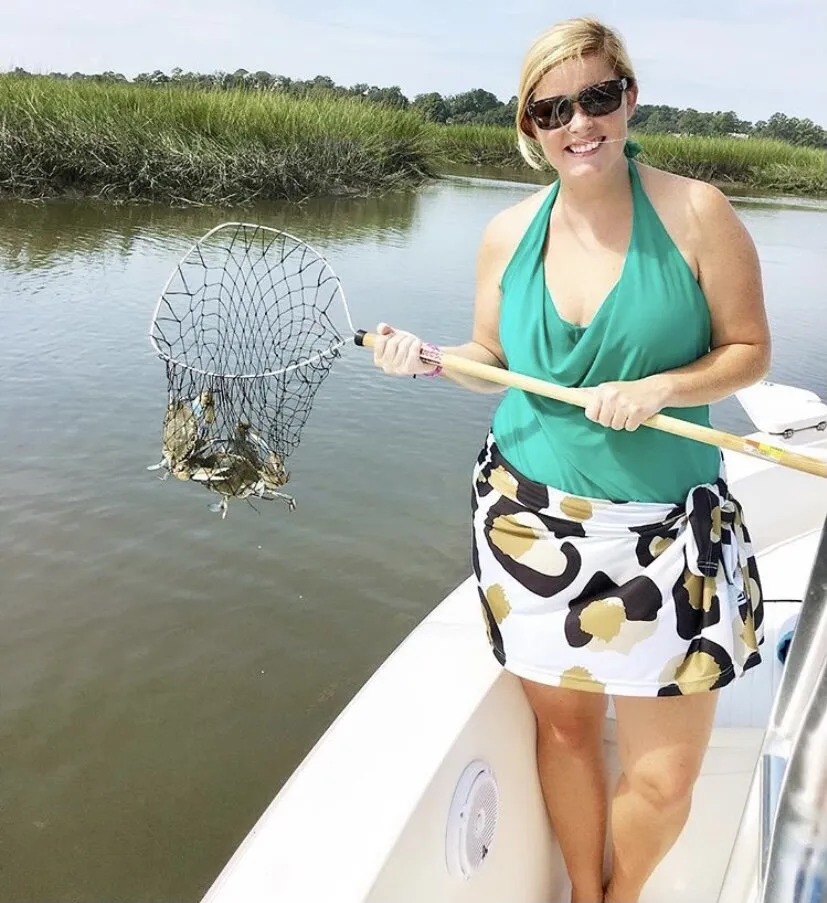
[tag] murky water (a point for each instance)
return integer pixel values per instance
(163, 671)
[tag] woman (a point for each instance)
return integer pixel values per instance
(610, 560)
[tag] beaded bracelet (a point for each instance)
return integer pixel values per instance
(431, 351)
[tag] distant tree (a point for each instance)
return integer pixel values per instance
(655, 118)
(322, 84)
(260, 81)
(431, 107)
(803, 132)
(728, 123)
(666, 119)
(238, 79)
(505, 114)
(389, 97)
(691, 122)
(467, 106)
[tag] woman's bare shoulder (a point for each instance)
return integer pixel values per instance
(683, 193)
(505, 229)
(688, 208)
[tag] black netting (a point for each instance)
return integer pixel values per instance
(249, 325)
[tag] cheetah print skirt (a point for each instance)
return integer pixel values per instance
(630, 598)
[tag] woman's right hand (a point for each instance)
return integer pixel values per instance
(397, 352)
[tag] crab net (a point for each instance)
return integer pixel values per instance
(249, 325)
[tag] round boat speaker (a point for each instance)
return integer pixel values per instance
(472, 820)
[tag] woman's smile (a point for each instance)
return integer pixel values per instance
(585, 148)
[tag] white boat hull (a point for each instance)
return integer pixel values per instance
(364, 819)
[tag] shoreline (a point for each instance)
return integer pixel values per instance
(736, 191)
(530, 179)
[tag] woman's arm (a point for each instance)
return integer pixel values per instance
(730, 276)
(485, 336)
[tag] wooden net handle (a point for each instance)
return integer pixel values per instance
(663, 422)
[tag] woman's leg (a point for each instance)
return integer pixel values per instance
(662, 742)
(572, 777)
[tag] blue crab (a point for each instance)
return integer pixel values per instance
(183, 437)
(246, 468)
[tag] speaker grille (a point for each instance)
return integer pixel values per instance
(472, 820)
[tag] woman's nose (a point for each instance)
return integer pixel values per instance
(580, 121)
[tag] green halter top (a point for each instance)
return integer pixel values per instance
(655, 318)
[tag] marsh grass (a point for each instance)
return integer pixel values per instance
(189, 145)
(752, 162)
(756, 162)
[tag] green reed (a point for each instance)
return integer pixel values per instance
(750, 162)
(127, 141)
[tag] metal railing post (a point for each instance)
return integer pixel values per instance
(796, 852)
(802, 674)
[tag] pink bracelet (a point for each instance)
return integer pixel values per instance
(431, 351)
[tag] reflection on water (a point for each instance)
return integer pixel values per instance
(40, 234)
(162, 670)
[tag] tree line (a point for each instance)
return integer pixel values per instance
(478, 106)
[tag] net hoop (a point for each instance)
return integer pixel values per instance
(332, 350)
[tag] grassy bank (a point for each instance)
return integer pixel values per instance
(125, 141)
(753, 162)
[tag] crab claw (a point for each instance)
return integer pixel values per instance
(291, 502)
(220, 506)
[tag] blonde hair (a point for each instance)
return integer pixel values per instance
(568, 40)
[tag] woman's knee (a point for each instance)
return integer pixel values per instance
(665, 783)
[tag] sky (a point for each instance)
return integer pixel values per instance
(755, 57)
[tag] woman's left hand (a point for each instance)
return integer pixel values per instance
(625, 405)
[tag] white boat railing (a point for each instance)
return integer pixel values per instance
(790, 780)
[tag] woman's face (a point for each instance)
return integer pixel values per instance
(586, 145)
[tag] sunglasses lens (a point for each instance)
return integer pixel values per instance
(553, 113)
(599, 100)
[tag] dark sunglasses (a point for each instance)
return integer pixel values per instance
(596, 100)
